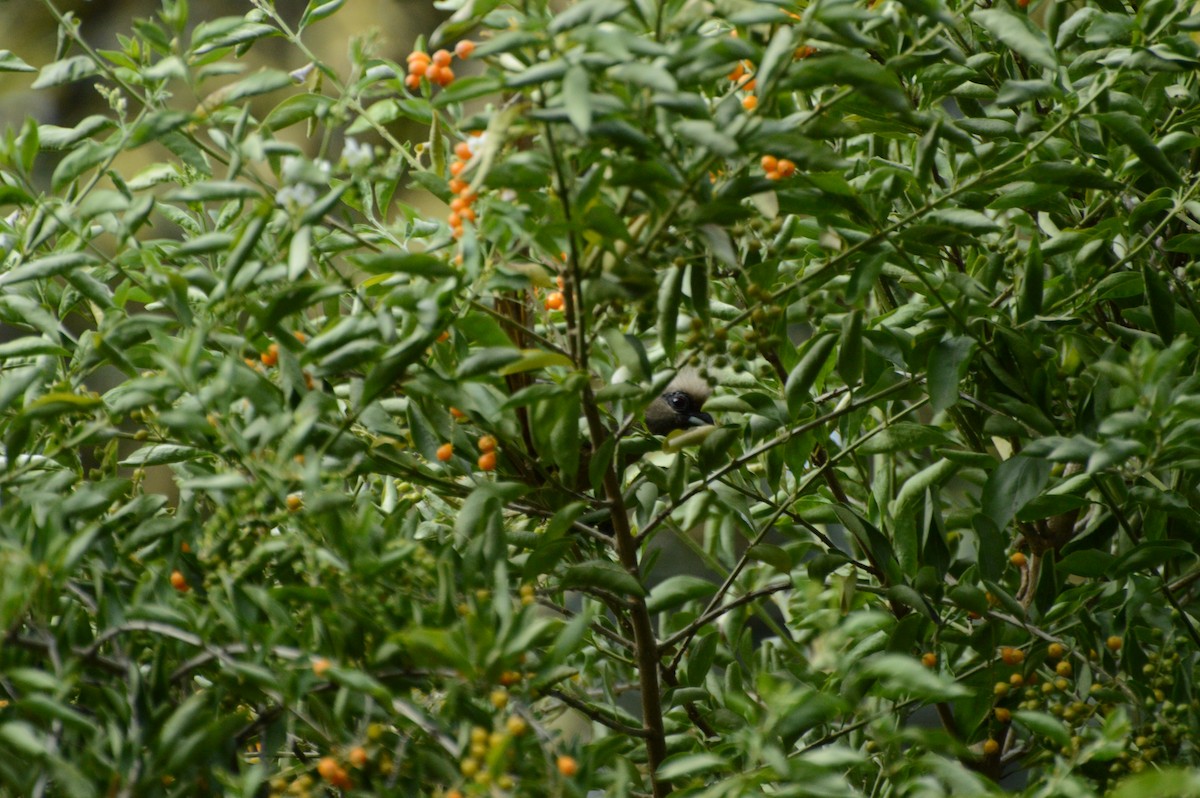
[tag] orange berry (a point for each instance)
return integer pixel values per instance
(464, 49)
(457, 204)
(185, 548)
(929, 659)
(560, 282)
(308, 380)
(990, 746)
(1003, 715)
(454, 794)
(1055, 650)
(456, 185)
(516, 726)
(442, 58)
(179, 582)
(509, 678)
(412, 82)
(567, 766)
(357, 756)
(454, 220)
(750, 85)
(271, 356)
(301, 337)
(457, 414)
(1022, 3)
(487, 461)
(418, 68)
(487, 443)
(445, 452)
(499, 698)
(341, 779)
(463, 150)
(769, 163)
(774, 175)
(786, 168)
(1114, 643)
(804, 52)
(749, 102)
(1012, 656)
(1063, 668)
(445, 77)
(738, 72)
(1018, 559)
(443, 337)
(320, 666)
(1016, 680)
(456, 168)
(294, 502)
(554, 300)
(418, 55)
(328, 768)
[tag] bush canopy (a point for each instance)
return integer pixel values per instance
(305, 490)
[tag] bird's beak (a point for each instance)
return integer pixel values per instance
(699, 420)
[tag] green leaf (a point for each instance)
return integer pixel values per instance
(967, 221)
(680, 765)
(676, 591)
(487, 361)
(68, 70)
(22, 739)
(11, 63)
(670, 294)
(1019, 33)
(776, 58)
(898, 676)
(802, 377)
(535, 360)
(850, 348)
(948, 363)
(1044, 725)
(602, 574)
(1011, 486)
(1128, 129)
(1031, 286)
(396, 261)
(576, 98)
(706, 134)
(903, 436)
(30, 346)
(1162, 305)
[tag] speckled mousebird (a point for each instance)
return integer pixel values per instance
(679, 405)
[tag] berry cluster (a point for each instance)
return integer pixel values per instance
(461, 209)
(555, 299)
(435, 68)
(777, 168)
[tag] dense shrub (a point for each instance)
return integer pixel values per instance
(306, 491)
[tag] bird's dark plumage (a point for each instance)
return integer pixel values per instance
(679, 406)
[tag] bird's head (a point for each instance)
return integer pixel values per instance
(679, 405)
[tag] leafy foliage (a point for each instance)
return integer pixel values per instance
(303, 489)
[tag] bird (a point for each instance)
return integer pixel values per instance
(679, 405)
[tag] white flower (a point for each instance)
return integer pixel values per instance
(300, 75)
(292, 170)
(476, 142)
(357, 155)
(297, 197)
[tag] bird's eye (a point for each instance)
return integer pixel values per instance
(677, 401)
